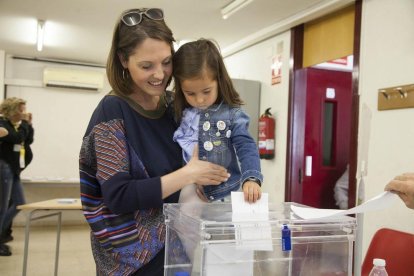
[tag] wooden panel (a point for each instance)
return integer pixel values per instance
(329, 37)
(396, 97)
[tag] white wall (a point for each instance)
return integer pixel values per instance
(254, 63)
(60, 118)
(387, 59)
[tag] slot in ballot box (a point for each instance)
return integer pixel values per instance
(203, 239)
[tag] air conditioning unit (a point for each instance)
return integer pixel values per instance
(73, 78)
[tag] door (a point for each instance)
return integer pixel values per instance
(327, 129)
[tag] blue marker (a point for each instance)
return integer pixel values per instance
(286, 238)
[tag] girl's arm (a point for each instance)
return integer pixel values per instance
(248, 155)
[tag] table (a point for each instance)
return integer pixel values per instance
(58, 205)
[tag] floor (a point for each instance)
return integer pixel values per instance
(75, 257)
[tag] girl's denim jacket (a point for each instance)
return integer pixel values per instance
(224, 139)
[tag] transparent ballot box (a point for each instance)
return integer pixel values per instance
(205, 240)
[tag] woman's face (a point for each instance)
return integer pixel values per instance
(150, 67)
(200, 92)
(19, 114)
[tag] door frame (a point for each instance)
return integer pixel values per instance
(296, 120)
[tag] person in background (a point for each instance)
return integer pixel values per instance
(403, 186)
(15, 155)
(208, 107)
(341, 190)
(4, 249)
(129, 165)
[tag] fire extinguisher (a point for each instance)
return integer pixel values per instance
(267, 135)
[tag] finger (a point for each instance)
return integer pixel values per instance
(255, 195)
(195, 152)
(219, 176)
(400, 177)
(409, 175)
(251, 198)
(246, 194)
(395, 185)
(216, 169)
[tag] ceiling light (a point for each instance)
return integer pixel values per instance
(40, 33)
(233, 7)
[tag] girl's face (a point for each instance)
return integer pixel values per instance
(200, 92)
(150, 67)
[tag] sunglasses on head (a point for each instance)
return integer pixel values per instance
(134, 17)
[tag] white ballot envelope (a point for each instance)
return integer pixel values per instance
(379, 202)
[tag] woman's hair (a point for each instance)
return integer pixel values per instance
(194, 59)
(10, 106)
(124, 42)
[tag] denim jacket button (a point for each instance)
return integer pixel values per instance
(206, 115)
(221, 125)
(218, 133)
(206, 126)
(208, 146)
(228, 133)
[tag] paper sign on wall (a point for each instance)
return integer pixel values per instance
(277, 65)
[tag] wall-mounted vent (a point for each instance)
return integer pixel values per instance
(73, 78)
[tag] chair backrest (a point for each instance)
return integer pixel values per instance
(396, 248)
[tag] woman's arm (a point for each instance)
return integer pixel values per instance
(16, 136)
(196, 171)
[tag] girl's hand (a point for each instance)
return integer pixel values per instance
(205, 173)
(252, 191)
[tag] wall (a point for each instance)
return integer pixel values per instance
(60, 118)
(254, 63)
(387, 59)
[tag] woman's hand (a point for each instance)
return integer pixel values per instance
(3, 132)
(195, 172)
(403, 186)
(252, 191)
(205, 173)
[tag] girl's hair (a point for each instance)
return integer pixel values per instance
(10, 106)
(124, 42)
(194, 59)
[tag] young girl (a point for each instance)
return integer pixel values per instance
(212, 121)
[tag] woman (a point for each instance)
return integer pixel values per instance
(15, 155)
(129, 164)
